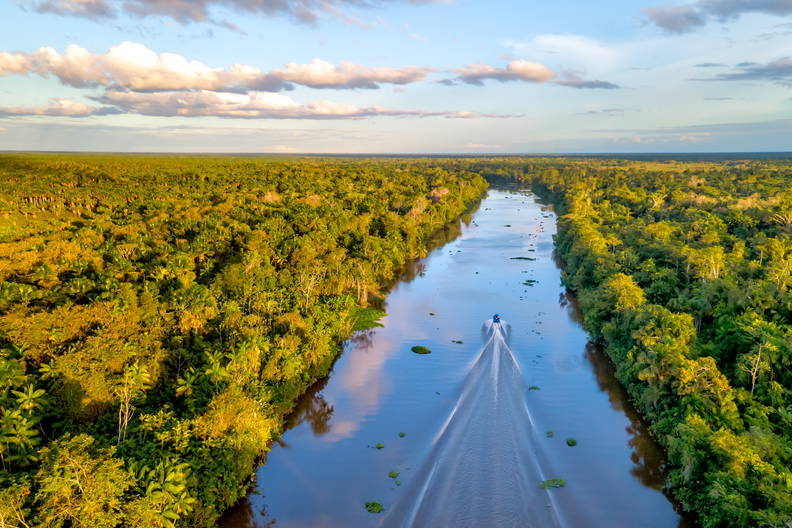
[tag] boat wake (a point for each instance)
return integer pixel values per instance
(484, 467)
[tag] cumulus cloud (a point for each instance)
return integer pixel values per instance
(187, 11)
(59, 107)
(321, 74)
(676, 19)
(256, 105)
(518, 70)
(682, 19)
(133, 66)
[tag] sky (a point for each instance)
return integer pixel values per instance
(396, 76)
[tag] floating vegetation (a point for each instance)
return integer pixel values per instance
(402, 434)
(549, 434)
(432, 313)
(571, 442)
(418, 349)
(398, 482)
(393, 474)
(522, 258)
(379, 445)
(530, 282)
(533, 387)
(458, 342)
(552, 483)
(373, 507)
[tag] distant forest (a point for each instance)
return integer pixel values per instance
(159, 316)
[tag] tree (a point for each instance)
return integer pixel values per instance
(80, 485)
(135, 381)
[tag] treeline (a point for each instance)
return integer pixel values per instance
(160, 316)
(683, 272)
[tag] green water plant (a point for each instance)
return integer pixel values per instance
(571, 442)
(418, 349)
(552, 483)
(373, 507)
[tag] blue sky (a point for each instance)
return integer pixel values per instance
(395, 76)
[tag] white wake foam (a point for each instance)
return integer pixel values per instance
(483, 469)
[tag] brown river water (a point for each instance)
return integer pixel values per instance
(485, 421)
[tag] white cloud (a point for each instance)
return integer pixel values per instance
(283, 148)
(518, 70)
(258, 105)
(321, 74)
(133, 66)
(568, 51)
(189, 11)
(521, 70)
(58, 107)
(577, 46)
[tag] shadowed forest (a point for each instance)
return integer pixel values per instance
(159, 316)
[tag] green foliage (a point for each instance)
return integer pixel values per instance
(373, 507)
(571, 442)
(552, 483)
(365, 318)
(393, 474)
(159, 317)
(683, 273)
(80, 484)
(177, 307)
(420, 349)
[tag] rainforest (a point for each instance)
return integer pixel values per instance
(162, 316)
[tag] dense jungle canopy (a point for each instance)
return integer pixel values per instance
(159, 316)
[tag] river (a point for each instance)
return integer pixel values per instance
(470, 431)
